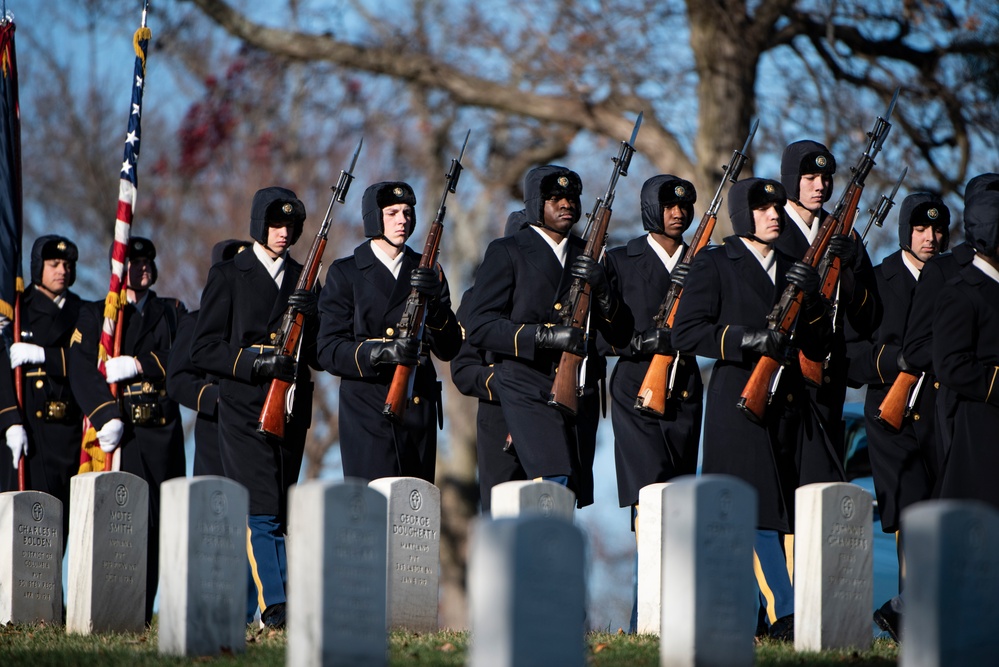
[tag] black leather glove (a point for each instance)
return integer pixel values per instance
(804, 277)
(397, 352)
(427, 283)
(304, 301)
(562, 338)
(592, 271)
(270, 365)
(679, 274)
(652, 341)
(844, 247)
(767, 342)
(903, 365)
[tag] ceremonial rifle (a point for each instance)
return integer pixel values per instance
(567, 388)
(277, 409)
(760, 388)
(657, 384)
(414, 316)
(829, 270)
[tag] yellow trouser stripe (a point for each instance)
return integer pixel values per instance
(768, 594)
(253, 570)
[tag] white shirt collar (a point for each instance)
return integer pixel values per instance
(670, 261)
(561, 249)
(986, 268)
(275, 266)
(59, 300)
(913, 269)
(809, 232)
(393, 264)
(769, 263)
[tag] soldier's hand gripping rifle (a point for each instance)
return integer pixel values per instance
(656, 386)
(276, 411)
(414, 316)
(830, 267)
(567, 388)
(762, 383)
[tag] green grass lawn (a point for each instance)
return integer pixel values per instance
(38, 645)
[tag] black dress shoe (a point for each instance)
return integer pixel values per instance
(783, 629)
(889, 620)
(274, 616)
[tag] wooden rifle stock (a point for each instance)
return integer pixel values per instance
(567, 388)
(413, 321)
(756, 395)
(655, 387)
(894, 407)
(276, 411)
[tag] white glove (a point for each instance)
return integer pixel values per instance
(110, 435)
(26, 353)
(17, 440)
(120, 368)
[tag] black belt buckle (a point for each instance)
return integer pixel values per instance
(56, 411)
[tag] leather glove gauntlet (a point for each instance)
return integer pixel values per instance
(652, 341)
(397, 352)
(270, 365)
(560, 337)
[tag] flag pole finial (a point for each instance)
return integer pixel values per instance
(145, 10)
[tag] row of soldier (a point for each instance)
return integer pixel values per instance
(221, 359)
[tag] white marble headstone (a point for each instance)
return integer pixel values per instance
(950, 617)
(337, 549)
(414, 537)
(545, 498)
(108, 529)
(649, 531)
(203, 575)
(30, 557)
(526, 591)
(833, 567)
(710, 527)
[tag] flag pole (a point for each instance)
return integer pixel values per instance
(111, 331)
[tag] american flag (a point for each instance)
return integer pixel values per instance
(11, 282)
(91, 457)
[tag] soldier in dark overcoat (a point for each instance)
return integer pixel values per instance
(650, 449)
(147, 421)
(727, 296)
(903, 463)
(917, 347)
(807, 169)
(49, 311)
(966, 357)
(521, 288)
(193, 388)
(360, 308)
(242, 308)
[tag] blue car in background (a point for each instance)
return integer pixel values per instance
(858, 471)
